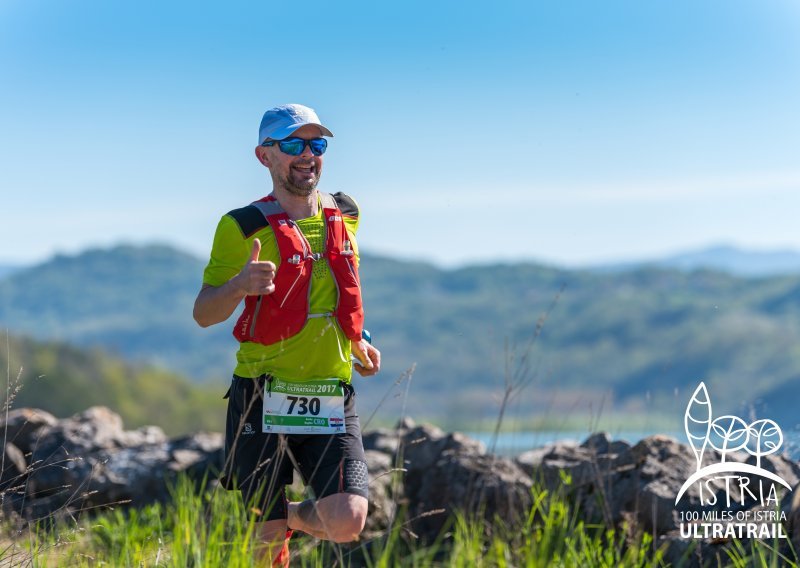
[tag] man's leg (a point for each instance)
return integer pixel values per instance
(335, 467)
(273, 543)
(339, 517)
(256, 464)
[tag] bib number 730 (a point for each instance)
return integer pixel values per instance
(311, 407)
(301, 405)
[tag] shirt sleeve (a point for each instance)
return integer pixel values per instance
(229, 253)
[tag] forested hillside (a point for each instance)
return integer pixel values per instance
(637, 340)
(136, 301)
(64, 380)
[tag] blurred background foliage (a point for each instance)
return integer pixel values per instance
(633, 340)
(65, 380)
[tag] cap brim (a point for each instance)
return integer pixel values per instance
(282, 133)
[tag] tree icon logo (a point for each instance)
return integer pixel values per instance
(727, 434)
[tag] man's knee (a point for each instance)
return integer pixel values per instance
(344, 516)
(347, 528)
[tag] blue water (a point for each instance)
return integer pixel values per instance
(515, 443)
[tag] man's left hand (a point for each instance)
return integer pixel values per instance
(369, 358)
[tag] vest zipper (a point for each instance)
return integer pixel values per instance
(255, 317)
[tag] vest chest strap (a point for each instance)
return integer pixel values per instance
(297, 259)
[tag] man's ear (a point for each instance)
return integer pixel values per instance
(262, 155)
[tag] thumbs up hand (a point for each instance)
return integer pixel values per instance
(256, 276)
(256, 250)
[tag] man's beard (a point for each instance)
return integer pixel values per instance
(302, 189)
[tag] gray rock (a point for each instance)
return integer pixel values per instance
(381, 440)
(97, 428)
(648, 480)
(602, 444)
(136, 475)
(612, 481)
(405, 423)
(531, 461)
(197, 454)
(143, 435)
(451, 472)
(14, 469)
(89, 460)
(598, 442)
(385, 481)
(21, 427)
(476, 484)
(780, 465)
(566, 462)
(421, 446)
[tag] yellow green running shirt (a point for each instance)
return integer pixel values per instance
(320, 350)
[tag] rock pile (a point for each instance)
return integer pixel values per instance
(88, 460)
(616, 483)
(53, 466)
(436, 473)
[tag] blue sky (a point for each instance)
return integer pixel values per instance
(570, 132)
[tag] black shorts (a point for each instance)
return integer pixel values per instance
(261, 465)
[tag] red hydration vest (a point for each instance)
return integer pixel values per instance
(271, 318)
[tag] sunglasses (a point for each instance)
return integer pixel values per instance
(296, 146)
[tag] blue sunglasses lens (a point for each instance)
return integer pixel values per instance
(292, 146)
(295, 146)
(318, 146)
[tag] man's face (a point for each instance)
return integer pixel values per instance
(298, 175)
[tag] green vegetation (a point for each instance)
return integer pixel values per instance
(64, 380)
(209, 529)
(135, 301)
(632, 343)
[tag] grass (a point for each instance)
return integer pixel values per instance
(210, 529)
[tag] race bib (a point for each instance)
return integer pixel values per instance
(312, 407)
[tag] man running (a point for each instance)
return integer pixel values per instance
(292, 257)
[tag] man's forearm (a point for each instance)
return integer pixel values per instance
(215, 304)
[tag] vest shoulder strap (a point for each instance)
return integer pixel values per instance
(268, 208)
(327, 201)
(249, 219)
(346, 204)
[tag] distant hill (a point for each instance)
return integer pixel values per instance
(630, 342)
(9, 269)
(135, 301)
(725, 258)
(738, 261)
(63, 380)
